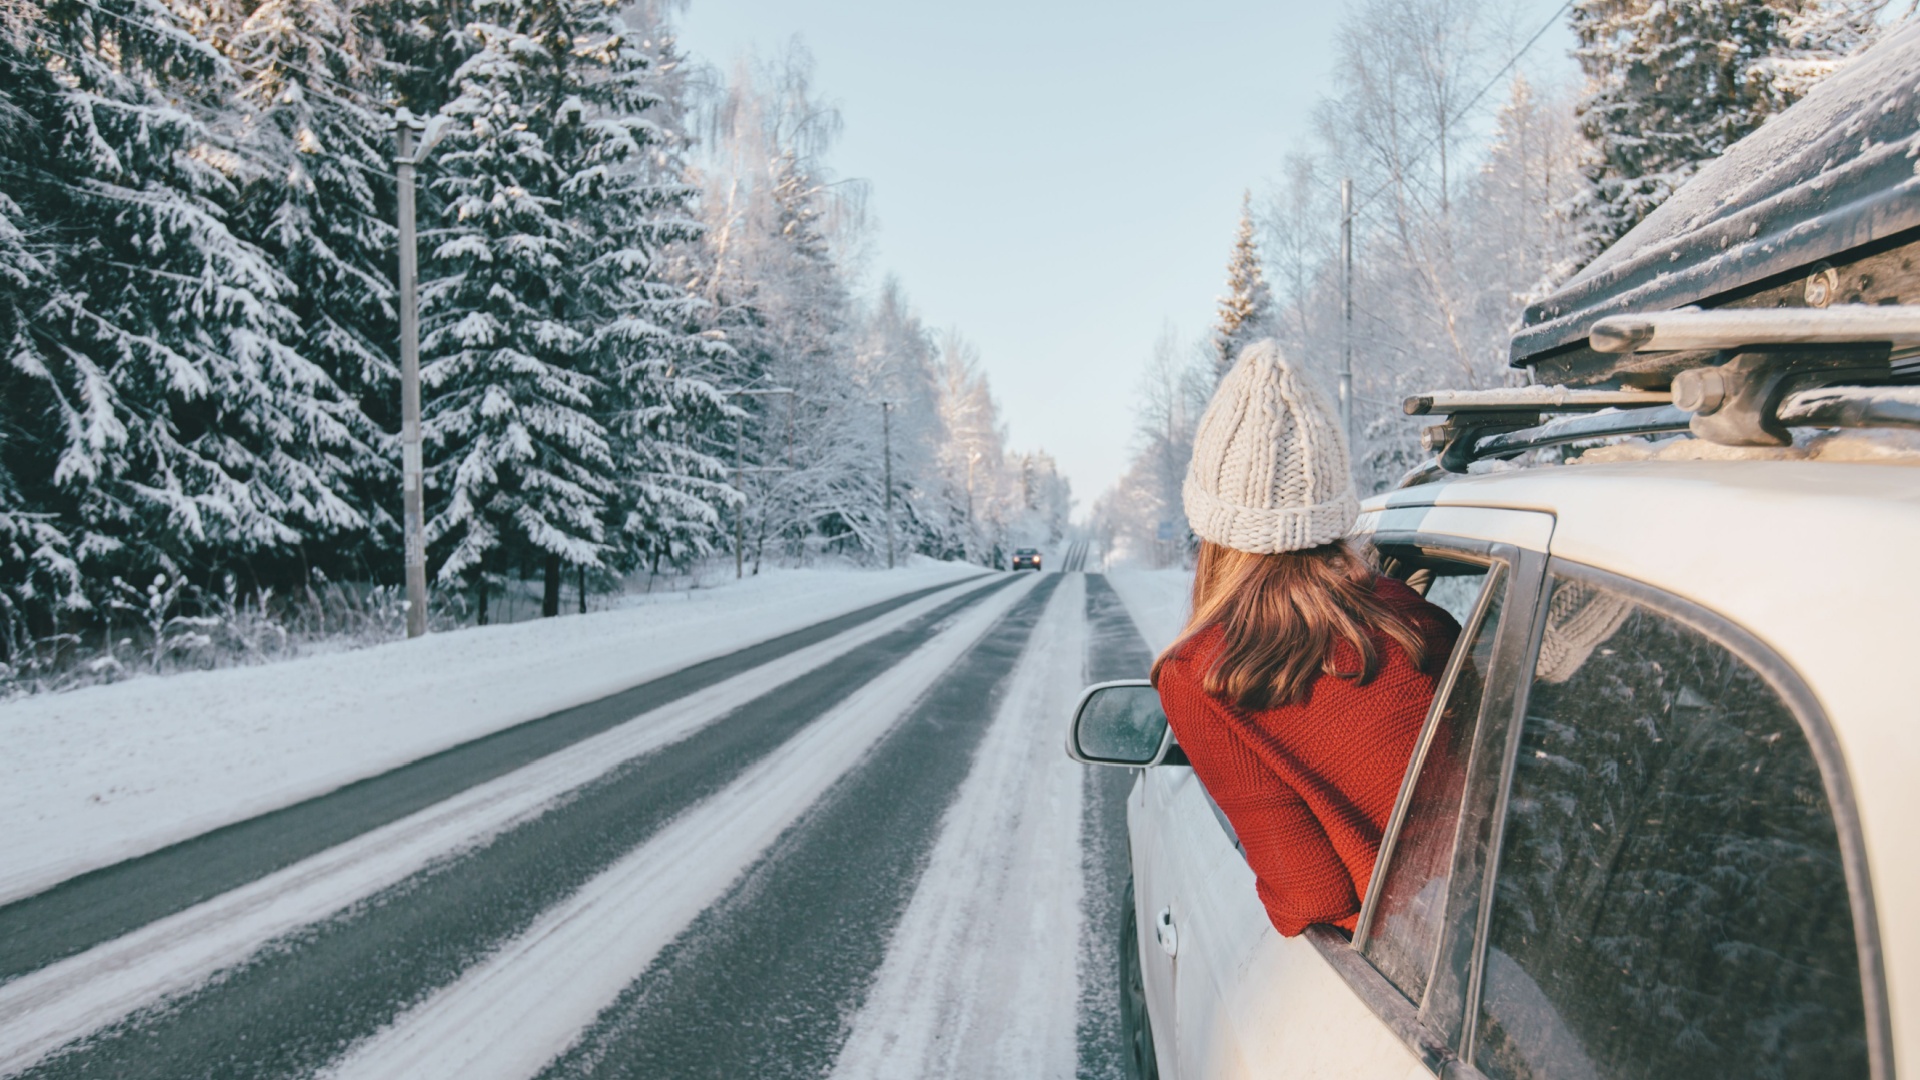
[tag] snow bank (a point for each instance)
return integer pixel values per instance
(1157, 600)
(98, 775)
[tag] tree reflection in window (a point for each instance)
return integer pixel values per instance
(1671, 899)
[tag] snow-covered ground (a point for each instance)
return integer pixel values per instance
(106, 773)
(1157, 600)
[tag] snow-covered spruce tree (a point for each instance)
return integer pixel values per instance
(620, 144)
(39, 579)
(176, 422)
(415, 48)
(1818, 38)
(518, 462)
(1673, 83)
(316, 199)
(1246, 312)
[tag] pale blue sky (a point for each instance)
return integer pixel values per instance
(1059, 179)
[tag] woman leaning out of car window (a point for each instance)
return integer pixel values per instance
(1301, 681)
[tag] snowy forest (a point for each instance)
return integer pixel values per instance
(644, 339)
(1476, 190)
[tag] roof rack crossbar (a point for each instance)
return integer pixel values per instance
(1689, 328)
(1853, 407)
(1529, 399)
(1827, 406)
(1655, 421)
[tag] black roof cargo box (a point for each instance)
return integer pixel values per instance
(1821, 205)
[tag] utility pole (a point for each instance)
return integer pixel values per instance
(886, 435)
(740, 515)
(405, 127)
(1346, 311)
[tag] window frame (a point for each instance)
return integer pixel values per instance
(1431, 1027)
(1403, 802)
(1821, 740)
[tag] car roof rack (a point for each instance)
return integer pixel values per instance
(1737, 378)
(1690, 328)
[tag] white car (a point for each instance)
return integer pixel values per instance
(1662, 822)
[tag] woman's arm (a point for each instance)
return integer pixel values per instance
(1301, 878)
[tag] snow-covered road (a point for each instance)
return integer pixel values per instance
(859, 853)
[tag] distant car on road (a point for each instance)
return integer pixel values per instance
(1026, 559)
(1662, 820)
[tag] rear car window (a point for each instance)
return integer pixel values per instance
(1671, 899)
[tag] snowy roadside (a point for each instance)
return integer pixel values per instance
(1157, 600)
(98, 775)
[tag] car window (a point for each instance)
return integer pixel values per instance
(1403, 929)
(1457, 590)
(1670, 899)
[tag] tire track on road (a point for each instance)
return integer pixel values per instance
(765, 982)
(1116, 650)
(302, 1002)
(980, 977)
(106, 903)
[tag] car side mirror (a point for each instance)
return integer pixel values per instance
(1121, 723)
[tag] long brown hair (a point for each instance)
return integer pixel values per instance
(1283, 617)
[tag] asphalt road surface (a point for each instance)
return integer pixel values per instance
(856, 850)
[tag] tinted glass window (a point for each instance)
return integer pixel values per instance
(1670, 900)
(1405, 926)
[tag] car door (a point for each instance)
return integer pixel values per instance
(1675, 894)
(1153, 830)
(1250, 1003)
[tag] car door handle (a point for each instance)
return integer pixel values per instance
(1165, 933)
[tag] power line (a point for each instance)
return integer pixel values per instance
(1475, 100)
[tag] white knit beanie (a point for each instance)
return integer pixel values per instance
(1270, 471)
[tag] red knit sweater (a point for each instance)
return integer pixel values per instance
(1309, 786)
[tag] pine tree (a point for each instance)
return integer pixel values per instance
(316, 200)
(1246, 312)
(39, 578)
(178, 421)
(516, 452)
(629, 203)
(1673, 83)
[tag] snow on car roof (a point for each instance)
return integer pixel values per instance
(1827, 175)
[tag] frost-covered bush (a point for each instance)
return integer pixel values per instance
(163, 625)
